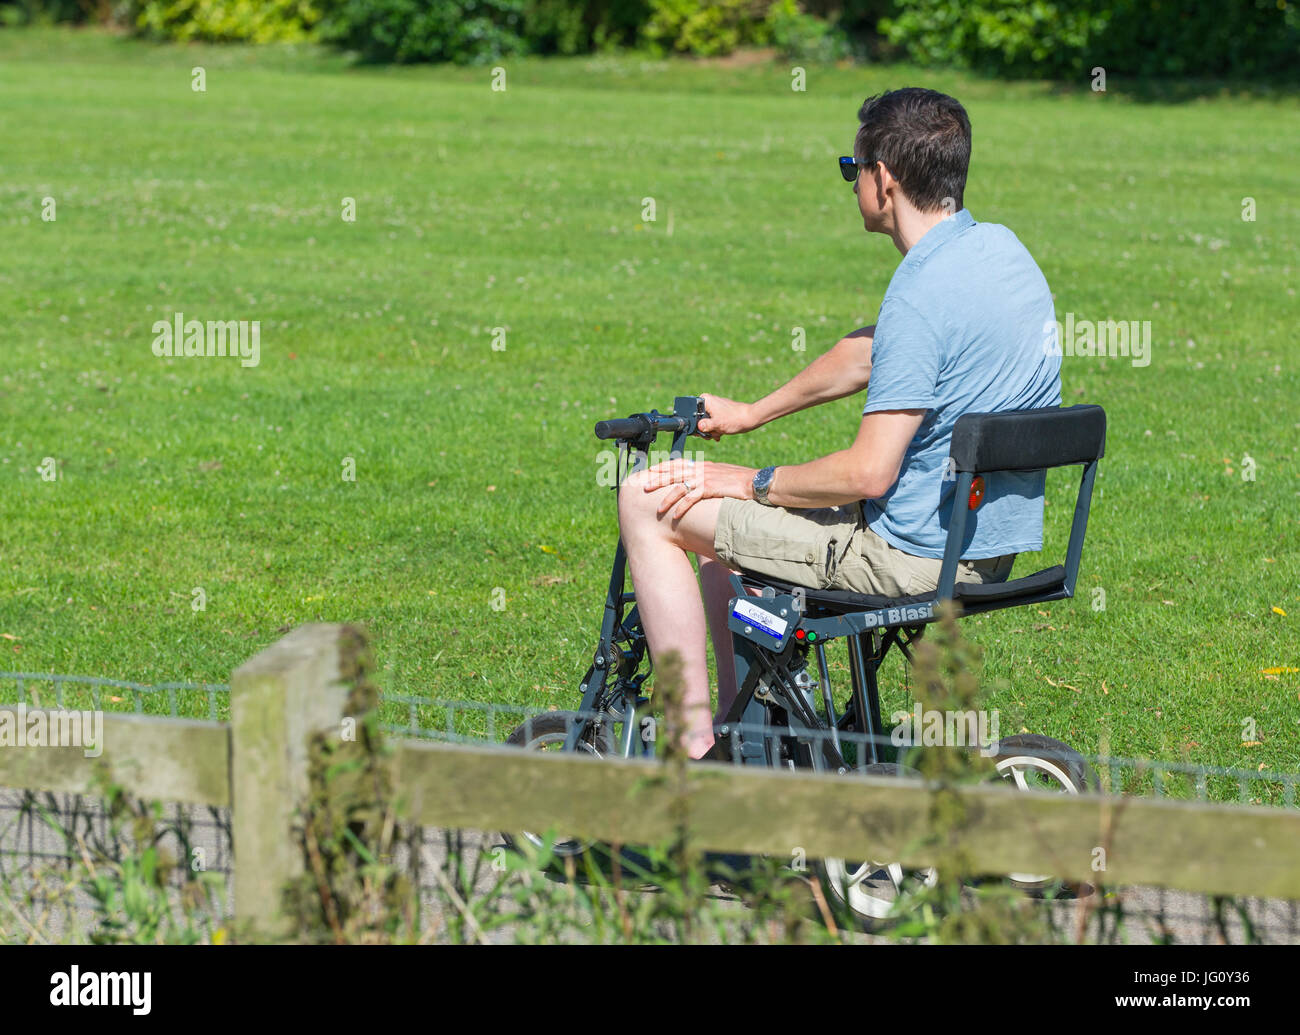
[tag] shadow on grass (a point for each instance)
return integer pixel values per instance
(1183, 91)
(631, 867)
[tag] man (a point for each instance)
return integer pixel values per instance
(959, 330)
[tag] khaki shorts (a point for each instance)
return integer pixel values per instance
(832, 548)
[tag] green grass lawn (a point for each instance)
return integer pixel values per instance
(476, 468)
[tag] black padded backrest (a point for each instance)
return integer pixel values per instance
(1028, 440)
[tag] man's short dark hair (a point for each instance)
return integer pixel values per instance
(923, 137)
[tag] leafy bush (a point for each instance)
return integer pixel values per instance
(1064, 38)
(565, 27)
(1248, 38)
(856, 20)
(710, 29)
(705, 29)
(1039, 38)
(804, 37)
(463, 31)
(992, 35)
(49, 12)
(252, 21)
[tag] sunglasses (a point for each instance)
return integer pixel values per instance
(849, 168)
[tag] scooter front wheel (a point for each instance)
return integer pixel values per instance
(549, 732)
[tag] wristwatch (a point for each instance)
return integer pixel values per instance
(763, 482)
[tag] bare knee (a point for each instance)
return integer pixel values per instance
(634, 503)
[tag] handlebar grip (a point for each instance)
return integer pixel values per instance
(622, 427)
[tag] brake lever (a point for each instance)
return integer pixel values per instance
(691, 409)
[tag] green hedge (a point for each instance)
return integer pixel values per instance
(565, 27)
(476, 31)
(1059, 39)
(463, 31)
(709, 29)
(1068, 38)
(252, 21)
(43, 12)
(472, 31)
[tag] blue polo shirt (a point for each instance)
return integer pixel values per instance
(961, 330)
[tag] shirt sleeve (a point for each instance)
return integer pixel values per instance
(905, 360)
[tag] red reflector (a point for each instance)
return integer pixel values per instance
(976, 493)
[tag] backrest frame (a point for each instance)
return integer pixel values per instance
(1024, 440)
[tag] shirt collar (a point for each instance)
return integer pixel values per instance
(942, 231)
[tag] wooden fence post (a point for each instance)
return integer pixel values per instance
(277, 700)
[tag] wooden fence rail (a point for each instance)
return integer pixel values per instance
(257, 766)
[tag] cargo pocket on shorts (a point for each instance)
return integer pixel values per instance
(837, 551)
(799, 561)
(920, 575)
(832, 562)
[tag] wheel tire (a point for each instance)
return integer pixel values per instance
(549, 732)
(866, 899)
(1033, 762)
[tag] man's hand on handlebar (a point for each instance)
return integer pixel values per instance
(726, 417)
(690, 481)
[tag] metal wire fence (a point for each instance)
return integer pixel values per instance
(176, 700)
(68, 863)
(1112, 915)
(487, 723)
(42, 832)
(50, 842)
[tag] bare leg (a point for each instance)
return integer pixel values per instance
(667, 594)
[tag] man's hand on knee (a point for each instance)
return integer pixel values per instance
(690, 481)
